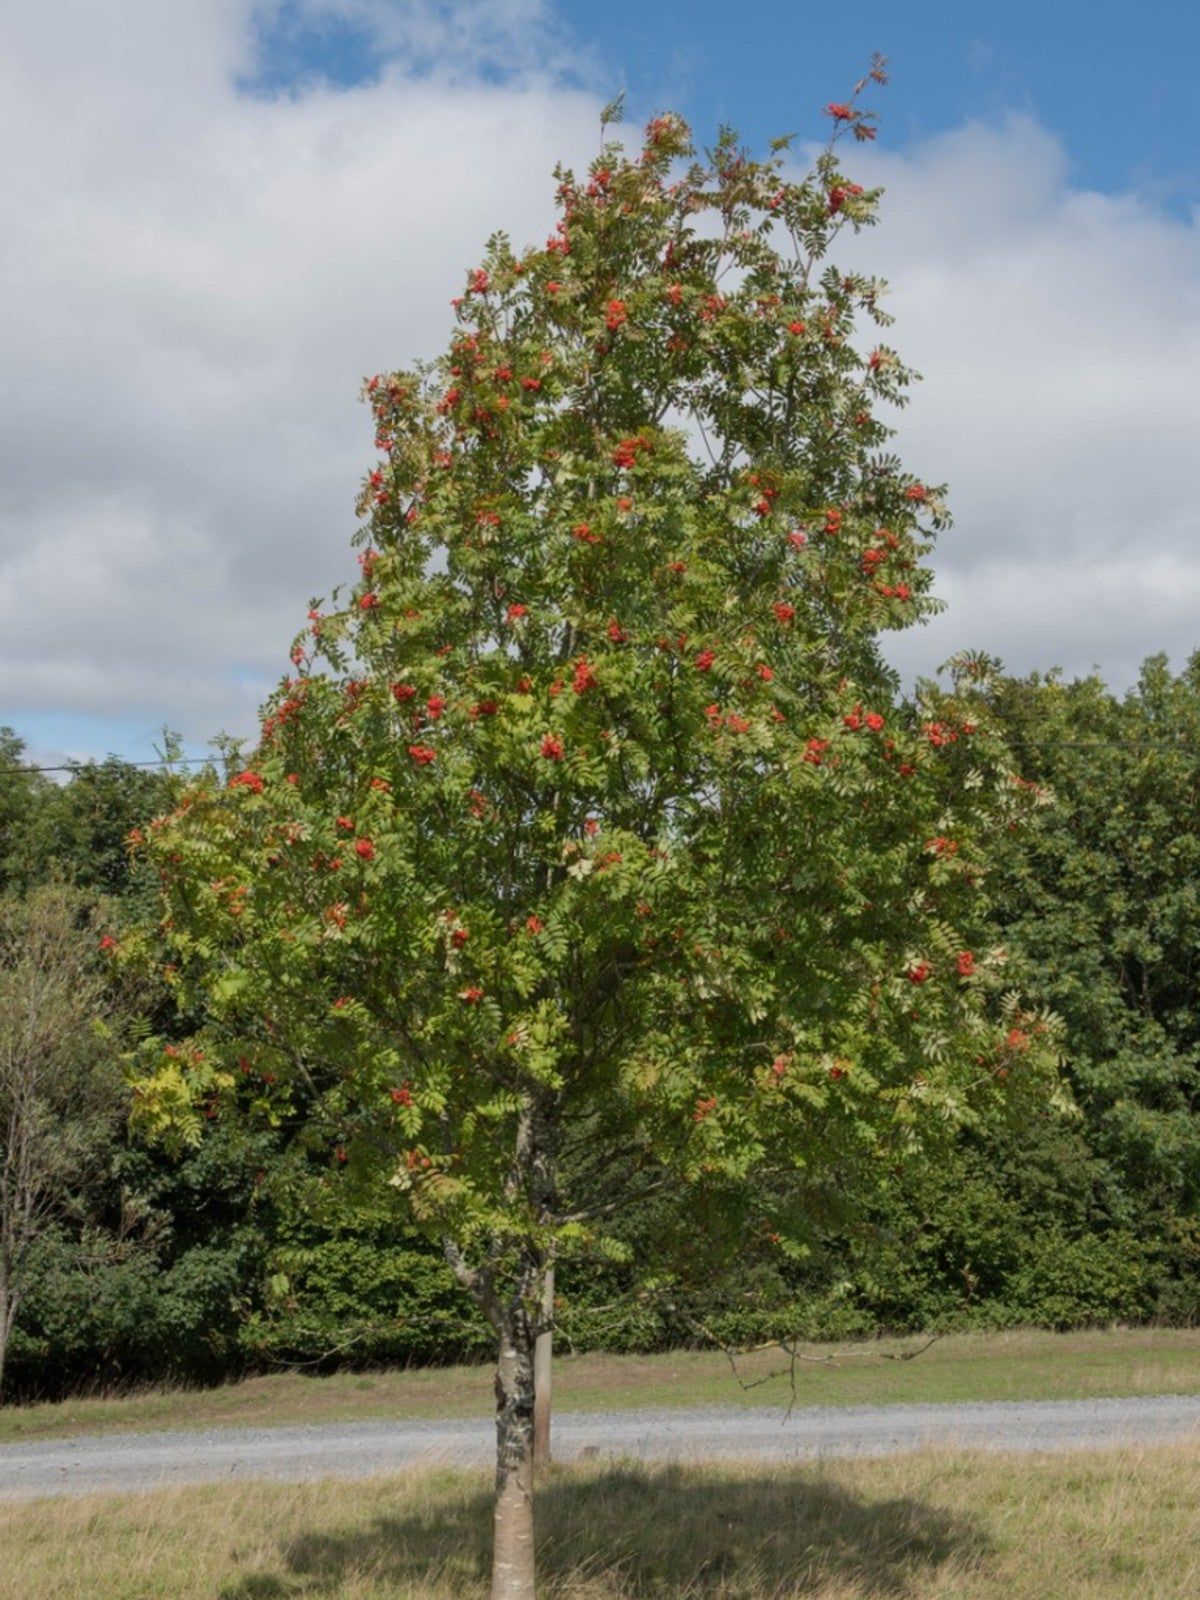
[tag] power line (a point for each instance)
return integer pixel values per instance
(79, 766)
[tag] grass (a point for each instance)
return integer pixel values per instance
(1028, 1365)
(942, 1526)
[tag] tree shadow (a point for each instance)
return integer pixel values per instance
(634, 1533)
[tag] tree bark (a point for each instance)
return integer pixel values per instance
(8, 1318)
(543, 1352)
(513, 1549)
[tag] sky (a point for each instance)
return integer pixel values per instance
(218, 215)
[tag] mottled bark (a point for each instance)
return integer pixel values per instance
(508, 1281)
(8, 1313)
(513, 1547)
(543, 1353)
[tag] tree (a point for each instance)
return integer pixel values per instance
(587, 852)
(60, 1082)
(1099, 902)
(23, 795)
(90, 820)
(75, 830)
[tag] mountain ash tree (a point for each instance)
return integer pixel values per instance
(589, 835)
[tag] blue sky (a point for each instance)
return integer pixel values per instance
(254, 202)
(1115, 82)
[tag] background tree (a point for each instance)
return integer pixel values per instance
(60, 1085)
(22, 794)
(1100, 902)
(88, 825)
(598, 858)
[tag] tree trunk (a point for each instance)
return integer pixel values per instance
(512, 1550)
(8, 1317)
(543, 1352)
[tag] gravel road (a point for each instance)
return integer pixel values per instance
(137, 1461)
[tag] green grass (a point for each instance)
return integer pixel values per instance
(1008, 1366)
(1108, 1525)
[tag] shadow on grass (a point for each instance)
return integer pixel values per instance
(631, 1533)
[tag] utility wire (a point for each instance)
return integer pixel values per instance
(92, 761)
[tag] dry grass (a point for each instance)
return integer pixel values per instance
(1029, 1365)
(941, 1526)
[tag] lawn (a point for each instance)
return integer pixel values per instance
(1008, 1366)
(942, 1526)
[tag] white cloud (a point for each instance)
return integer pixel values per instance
(1059, 336)
(196, 280)
(449, 39)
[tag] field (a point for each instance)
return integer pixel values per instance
(937, 1524)
(940, 1526)
(1010, 1366)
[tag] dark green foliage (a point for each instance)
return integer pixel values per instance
(157, 1280)
(361, 1294)
(88, 824)
(1100, 903)
(1014, 1232)
(76, 830)
(23, 797)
